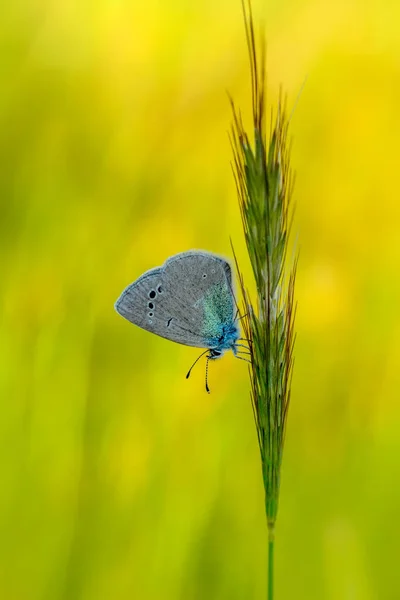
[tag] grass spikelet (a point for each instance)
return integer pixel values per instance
(264, 184)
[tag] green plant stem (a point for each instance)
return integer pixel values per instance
(264, 182)
(271, 542)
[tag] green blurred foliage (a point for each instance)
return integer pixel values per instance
(119, 478)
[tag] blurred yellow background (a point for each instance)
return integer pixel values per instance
(119, 478)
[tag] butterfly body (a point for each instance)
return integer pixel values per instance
(226, 341)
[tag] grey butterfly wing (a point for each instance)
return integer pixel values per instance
(203, 282)
(145, 303)
(181, 301)
(193, 262)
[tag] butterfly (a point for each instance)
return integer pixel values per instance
(189, 300)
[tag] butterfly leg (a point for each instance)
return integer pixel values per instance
(242, 317)
(237, 349)
(242, 358)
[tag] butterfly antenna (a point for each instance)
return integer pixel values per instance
(197, 359)
(207, 388)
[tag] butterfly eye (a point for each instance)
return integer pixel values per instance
(152, 294)
(150, 305)
(159, 289)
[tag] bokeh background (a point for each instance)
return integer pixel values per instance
(119, 478)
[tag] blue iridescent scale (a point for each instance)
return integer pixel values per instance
(220, 329)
